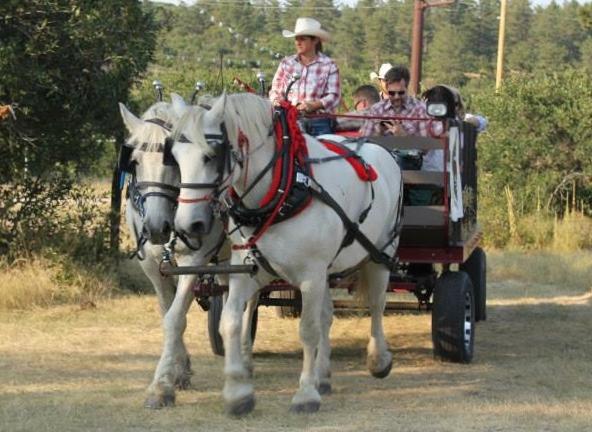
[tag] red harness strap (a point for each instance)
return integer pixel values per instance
(297, 149)
(364, 171)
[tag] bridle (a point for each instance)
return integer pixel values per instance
(125, 164)
(135, 188)
(223, 155)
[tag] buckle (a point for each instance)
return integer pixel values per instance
(302, 178)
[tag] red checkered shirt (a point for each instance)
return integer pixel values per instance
(319, 80)
(411, 108)
(433, 160)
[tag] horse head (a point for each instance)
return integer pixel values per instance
(153, 187)
(216, 152)
(192, 150)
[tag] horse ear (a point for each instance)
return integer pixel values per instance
(216, 113)
(131, 122)
(179, 105)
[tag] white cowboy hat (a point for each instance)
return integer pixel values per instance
(307, 27)
(384, 68)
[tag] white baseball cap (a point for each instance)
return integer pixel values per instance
(384, 68)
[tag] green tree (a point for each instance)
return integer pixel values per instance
(66, 63)
(449, 57)
(585, 16)
(348, 37)
(540, 134)
(518, 48)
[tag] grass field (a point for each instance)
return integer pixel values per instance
(85, 367)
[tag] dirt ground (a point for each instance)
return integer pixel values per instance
(85, 368)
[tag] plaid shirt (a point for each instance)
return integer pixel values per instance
(411, 108)
(433, 160)
(318, 81)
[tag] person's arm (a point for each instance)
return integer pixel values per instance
(371, 127)
(332, 95)
(276, 94)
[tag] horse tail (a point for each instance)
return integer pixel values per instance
(361, 290)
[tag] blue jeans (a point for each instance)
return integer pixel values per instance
(318, 126)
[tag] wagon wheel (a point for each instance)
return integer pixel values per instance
(476, 268)
(214, 315)
(292, 311)
(453, 318)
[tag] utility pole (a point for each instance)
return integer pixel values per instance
(417, 41)
(500, 46)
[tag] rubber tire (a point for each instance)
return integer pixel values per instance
(476, 268)
(214, 315)
(451, 293)
(293, 311)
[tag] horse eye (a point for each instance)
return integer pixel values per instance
(207, 159)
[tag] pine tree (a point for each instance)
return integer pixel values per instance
(449, 57)
(518, 22)
(349, 39)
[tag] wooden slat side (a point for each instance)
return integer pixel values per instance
(423, 178)
(424, 216)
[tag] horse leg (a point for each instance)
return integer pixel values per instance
(323, 358)
(238, 390)
(164, 286)
(375, 278)
(246, 340)
(174, 365)
(307, 399)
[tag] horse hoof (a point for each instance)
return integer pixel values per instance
(183, 383)
(157, 402)
(324, 388)
(305, 408)
(241, 407)
(383, 373)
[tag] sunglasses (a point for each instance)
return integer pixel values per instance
(397, 92)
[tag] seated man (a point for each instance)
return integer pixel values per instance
(364, 97)
(399, 103)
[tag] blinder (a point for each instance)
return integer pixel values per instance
(167, 155)
(221, 146)
(124, 162)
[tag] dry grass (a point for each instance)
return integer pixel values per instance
(41, 283)
(71, 369)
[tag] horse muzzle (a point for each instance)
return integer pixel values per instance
(159, 234)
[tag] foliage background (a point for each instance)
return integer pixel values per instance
(66, 64)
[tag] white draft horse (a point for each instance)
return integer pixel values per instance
(150, 210)
(303, 250)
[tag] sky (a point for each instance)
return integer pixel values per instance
(350, 2)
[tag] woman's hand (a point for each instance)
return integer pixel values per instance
(309, 106)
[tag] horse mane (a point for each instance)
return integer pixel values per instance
(189, 125)
(249, 113)
(150, 137)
